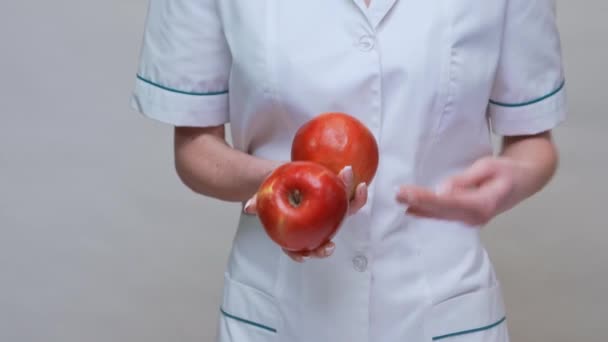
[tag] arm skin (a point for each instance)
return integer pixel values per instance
(209, 166)
(491, 186)
(535, 160)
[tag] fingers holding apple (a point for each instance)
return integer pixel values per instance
(356, 203)
(359, 198)
(338, 140)
(343, 144)
(303, 203)
(301, 206)
(324, 251)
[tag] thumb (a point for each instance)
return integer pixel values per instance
(347, 176)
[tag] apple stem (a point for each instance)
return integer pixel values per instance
(295, 198)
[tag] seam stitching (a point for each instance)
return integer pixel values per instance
(242, 320)
(527, 103)
(471, 331)
(173, 90)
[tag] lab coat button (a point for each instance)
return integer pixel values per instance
(366, 43)
(360, 263)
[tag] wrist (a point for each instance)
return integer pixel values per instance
(259, 171)
(527, 177)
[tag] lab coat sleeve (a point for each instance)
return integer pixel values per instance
(529, 92)
(184, 65)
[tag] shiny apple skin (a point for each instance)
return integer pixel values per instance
(337, 140)
(323, 205)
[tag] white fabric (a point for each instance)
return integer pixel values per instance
(530, 79)
(184, 66)
(431, 79)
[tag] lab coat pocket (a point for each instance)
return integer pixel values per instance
(247, 314)
(474, 317)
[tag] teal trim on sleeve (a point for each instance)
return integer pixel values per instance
(180, 91)
(502, 104)
(242, 320)
(465, 332)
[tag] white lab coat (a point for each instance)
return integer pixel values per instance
(431, 79)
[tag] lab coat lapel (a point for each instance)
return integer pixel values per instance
(377, 10)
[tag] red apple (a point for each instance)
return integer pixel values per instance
(301, 205)
(337, 140)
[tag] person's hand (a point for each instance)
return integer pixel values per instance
(355, 204)
(474, 197)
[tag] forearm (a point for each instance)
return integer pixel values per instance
(208, 165)
(535, 162)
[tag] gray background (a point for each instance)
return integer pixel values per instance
(100, 242)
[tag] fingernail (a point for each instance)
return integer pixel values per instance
(348, 173)
(361, 188)
(329, 250)
(248, 205)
